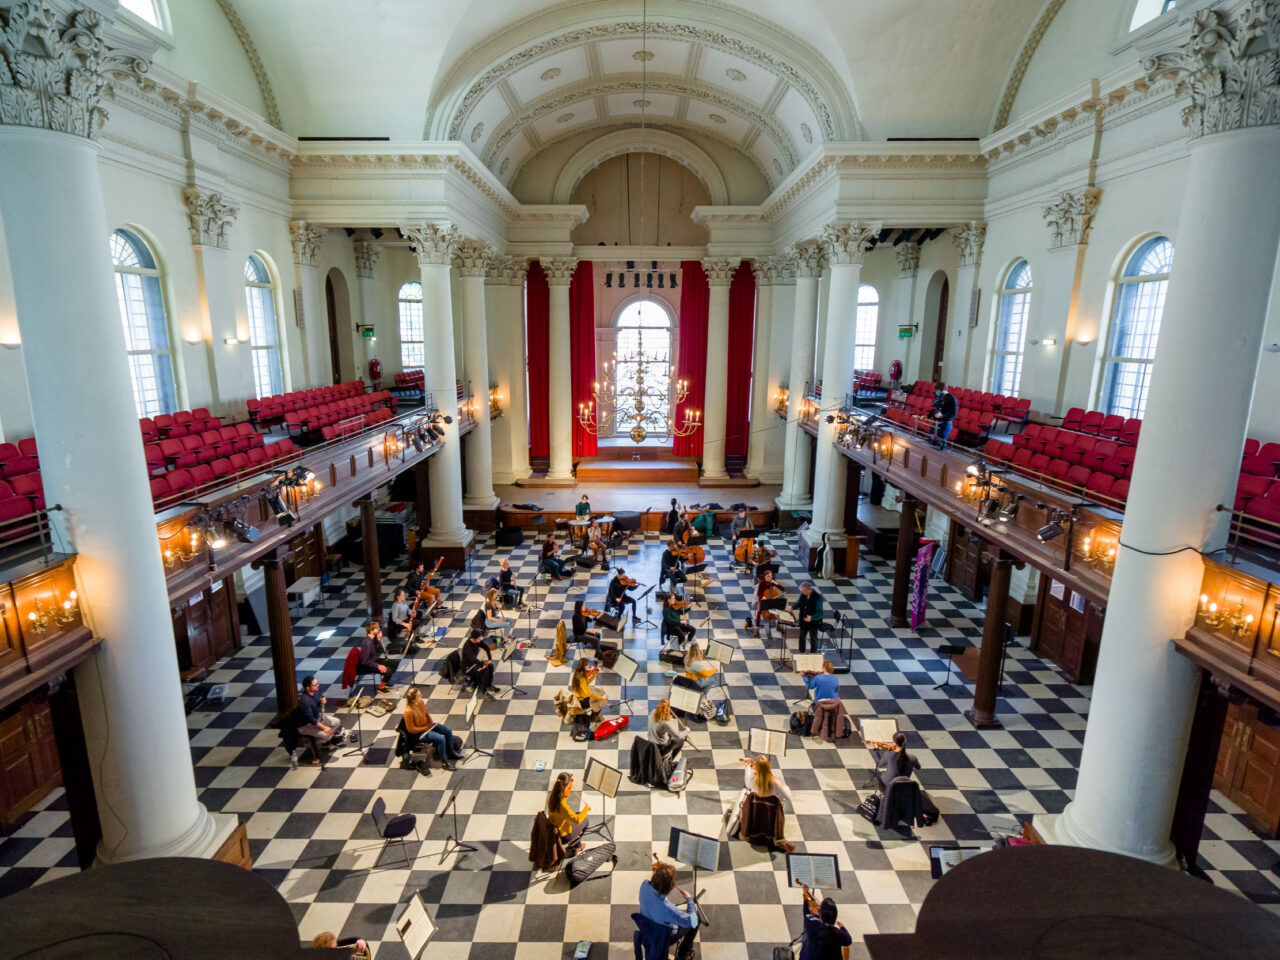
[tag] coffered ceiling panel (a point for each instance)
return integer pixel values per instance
(739, 77)
(717, 119)
(628, 104)
(657, 56)
(562, 120)
(798, 119)
(539, 78)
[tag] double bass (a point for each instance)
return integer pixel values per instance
(745, 546)
(691, 555)
(771, 592)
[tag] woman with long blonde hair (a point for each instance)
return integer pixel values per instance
(761, 780)
(569, 822)
(697, 668)
(493, 618)
(666, 732)
(589, 698)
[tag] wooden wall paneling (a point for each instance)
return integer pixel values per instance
(13, 660)
(28, 758)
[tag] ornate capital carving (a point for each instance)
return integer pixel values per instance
(810, 258)
(471, 257)
(56, 66)
(848, 242)
(209, 217)
(1230, 67)
(433, 243)
(306, 238)
(908, 255)
(517, 268)
(504, 269)
(969, 238)
(367, 254)
(1070, 217)
(719, 270)
(783, 269)
(559, 270)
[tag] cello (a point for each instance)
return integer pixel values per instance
(772, 592)
(745, 546)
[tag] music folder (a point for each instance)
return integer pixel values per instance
(764, 740)
(774, 603)
(694, 849)
(684, 699)
(415, 926)
(808, 662)
(878, 730)
(625, 667)
(602, 778)
(943, 859)
(719, 651)
(816, 869)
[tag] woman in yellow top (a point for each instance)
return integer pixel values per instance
(419, 725)
(589, 697)
(568, 823)
(699, 670)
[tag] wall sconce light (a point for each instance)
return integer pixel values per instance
(12, 344)
(1050, 342)
(495, 403)
(782, 397)
(70, 608)
(230, 341)
(1085, 341)
(38, 620)
(1099, 552)
(1237, 621)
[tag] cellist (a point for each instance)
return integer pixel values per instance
(760, 557)
(766, 589)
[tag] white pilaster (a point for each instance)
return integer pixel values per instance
(434, 245)
(470, 261)
(904, 310)
(719, 272)
(847, 244)
(1143, 698)
(366, 257)
(518, 397)
(92, 464)
(559, 271)
(315, 322)
(958, 356)
(761, 390)
(210, 218)
(810, 258)
(497, 341)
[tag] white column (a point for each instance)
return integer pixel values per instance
(559, 271)
(956, 359)
(719, 272)
(761, 390)
(904, 308)
(434, 244)
(810, 260)
(209, 218)
(1044, 365)
(518, 397)
(366, 257)
(780, 346)
(501, 361)
(92, 464)
(847, 244)
(470, 260)
(1187, 458)
(307, 238)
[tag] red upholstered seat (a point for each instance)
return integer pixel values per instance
(11, 510)
(1267, 512)
(1120, 490)
(1111, 426)
(19, 466)
(1022, 459)
(9, 451)
(1039, 464)
(1129, 432)
(179, 481)
(239, 462)
(1092, 421)
(997, 450)
(221, 468)
(202, 475)
(1078, 476)
(1099, 484)
(27, 446)
(1028, 433)
(29, 485)
(1073, 418)
(1250, 486)
(256, 455)
(1251, 447)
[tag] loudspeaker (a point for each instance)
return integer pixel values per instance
(610, 620)
(585, 560)
(508, 537)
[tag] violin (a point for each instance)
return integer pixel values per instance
(591, 614)
(628, 582)
(679, 603)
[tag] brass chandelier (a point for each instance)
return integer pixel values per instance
(646, 407)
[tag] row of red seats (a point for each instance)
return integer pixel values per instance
(273, 409)
(19, 458)
(201, 448)
(1261, 459)
(180, 424)
(992, 406)
(1101, 424)
(912, 421)
(1092, 478)
(344, 428)
(1113, 456)
(312, 420)
(177, 484)
(410, 380)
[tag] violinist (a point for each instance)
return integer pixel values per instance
(617, 597)
(596, 541)
(676, 622)
(766, 589)
(582, 632)
(669, 566)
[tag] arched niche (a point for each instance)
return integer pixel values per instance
(342, 330)
(639, 198)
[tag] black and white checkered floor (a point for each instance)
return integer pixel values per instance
(313, 838)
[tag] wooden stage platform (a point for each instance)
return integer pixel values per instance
(558, 503)
(637, 471)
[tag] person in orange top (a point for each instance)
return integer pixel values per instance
(421, 727)
(699, 670)
(569, 823)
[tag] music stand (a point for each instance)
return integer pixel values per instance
(648, 606)
(454, 843)
(722, 653)
(949, 650)
(684, 699)
(605, 780)
(508, 654)
(778, 603)
(473, 708)
(358, 709)
(625, 668)
(415, 926)
(815, 869)
(766, 741)
(697, 851)
(806, 663)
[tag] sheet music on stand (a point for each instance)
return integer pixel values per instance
(943, 859)
(473, 706)
(720, 652)
(694, 849)
(764, 740)
(816, 869)
(877, 729)
(625, 667)
(808, 662)
(415, 926)
(684, 699)
(602, 778)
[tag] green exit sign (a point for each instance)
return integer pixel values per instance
(905, 333)
(368, 333)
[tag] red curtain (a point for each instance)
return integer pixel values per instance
(742, 315)
(537, 311)
(695, 297)
(582, 352)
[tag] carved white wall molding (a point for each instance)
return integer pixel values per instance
(1070, 217)
(908, 256)
(306, 238)
(810, 258)
(209, 217)
(719, 270)
(848, 242)
(969, 239)
(1230, 68)
(662, 142)
(433, 243)
(559, 270)
(367, 255)
(471, 257)
(56, 66)
(1025, 54)
(255, 61)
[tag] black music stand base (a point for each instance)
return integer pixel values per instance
(624, 700)
(601, 829)
(453, 844)
(476, 749)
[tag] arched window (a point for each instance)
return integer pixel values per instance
(264, 332)
(864, 334)
(643, 325)
(1135, 327)
(411, 352)
(146, 331)
(1011, 330)
(1147, 10)
(149, 11)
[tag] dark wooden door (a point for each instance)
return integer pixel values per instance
(940, 343)
(1257, 779)
(28, 759)
(332, 311)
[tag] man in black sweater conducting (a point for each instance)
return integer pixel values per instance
(808, 610)
(945, 408)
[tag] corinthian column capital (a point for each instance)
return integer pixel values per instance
(306, 238)
(433, 243)
(367, 254)
(559, 270)
(209, 217)
(969, 238)
(848, 242)
(719, 270)
(471, 257)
